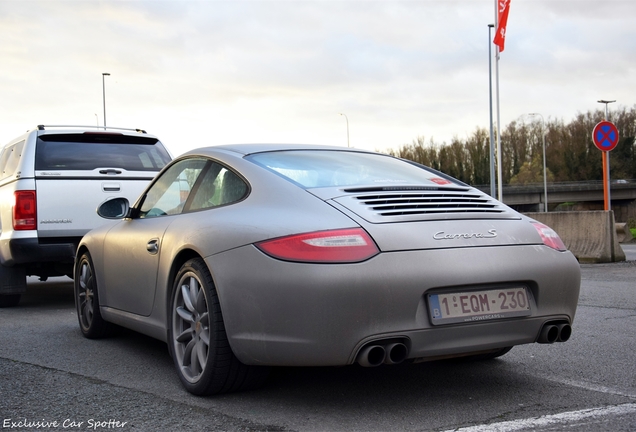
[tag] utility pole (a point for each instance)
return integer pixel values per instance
(104, 74)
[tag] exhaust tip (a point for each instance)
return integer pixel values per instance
(395, 353)
(549, 334)
(565, 331)
(371, 356)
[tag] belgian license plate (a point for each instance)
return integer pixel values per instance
(477, 306)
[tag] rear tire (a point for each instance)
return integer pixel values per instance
(9, 300)
(197, 340)
(90, 319)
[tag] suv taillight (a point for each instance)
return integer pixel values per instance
(24, 211)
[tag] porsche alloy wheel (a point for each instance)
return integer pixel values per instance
(191, 324)
(197, 339)
(90, 319)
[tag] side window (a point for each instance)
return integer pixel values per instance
(9, 160)
(218, 186)
(168, 195)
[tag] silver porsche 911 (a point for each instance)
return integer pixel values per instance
(242, 257)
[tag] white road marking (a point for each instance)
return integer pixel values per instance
(589, 386)
(550, 420)
(561, 418)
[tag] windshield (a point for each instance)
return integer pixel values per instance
(328, 168)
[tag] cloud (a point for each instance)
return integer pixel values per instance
(236, 71)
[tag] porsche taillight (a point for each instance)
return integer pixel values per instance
(24, 210)
(549, 236)
(334, 246)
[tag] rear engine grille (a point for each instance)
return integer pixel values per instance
(409, 203)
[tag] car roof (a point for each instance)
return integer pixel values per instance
(246, 149)
(67, 129)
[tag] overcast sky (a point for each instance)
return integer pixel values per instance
(199, 73)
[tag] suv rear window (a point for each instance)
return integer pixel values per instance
(9, 159)
(88, 151)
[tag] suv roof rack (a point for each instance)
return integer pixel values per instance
(42, 127)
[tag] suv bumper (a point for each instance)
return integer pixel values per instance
(32, 250)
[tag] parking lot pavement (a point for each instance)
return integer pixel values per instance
(630, 251)
(48, 371)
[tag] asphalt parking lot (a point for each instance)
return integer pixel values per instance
(50, 374)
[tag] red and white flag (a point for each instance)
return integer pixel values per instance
(503, 7)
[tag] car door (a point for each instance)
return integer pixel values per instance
(132, 249)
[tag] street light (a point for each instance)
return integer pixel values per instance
(347, 119)
(104, 74)
(545, 178)
(606, 102)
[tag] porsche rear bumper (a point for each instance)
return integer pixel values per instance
(295, 314)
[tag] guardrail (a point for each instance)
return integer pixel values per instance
(578, 185)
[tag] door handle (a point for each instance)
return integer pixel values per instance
(110, 171)
(111, 187)
(153, 246)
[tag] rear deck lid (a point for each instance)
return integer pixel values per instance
(401, 204)
(407, 218)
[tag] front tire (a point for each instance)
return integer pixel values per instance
(90, 319)
(197, 340)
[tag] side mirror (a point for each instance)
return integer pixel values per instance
(115, 208)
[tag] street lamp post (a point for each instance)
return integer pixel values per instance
(606, 102)
(104, 74)
(545, 178)
(606, 162)
(347, 119)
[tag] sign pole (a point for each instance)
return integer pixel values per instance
(606, 142)
(605, 137)
(606, 183)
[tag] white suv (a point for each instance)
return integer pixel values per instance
(51, 181)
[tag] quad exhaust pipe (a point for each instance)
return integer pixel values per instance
(376, 353)
(555, 332)
(390, 353)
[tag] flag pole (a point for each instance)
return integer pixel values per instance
(492, 133)
(499, 169)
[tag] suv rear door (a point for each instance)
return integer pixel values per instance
(76, 172)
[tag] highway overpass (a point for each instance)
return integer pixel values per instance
(530, 197)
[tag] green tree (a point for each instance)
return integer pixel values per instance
(532, 172)
(570, 151)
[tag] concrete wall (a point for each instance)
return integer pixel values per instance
(589, 235)
(624, 211)
(623, 234)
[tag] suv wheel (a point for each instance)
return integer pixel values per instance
(9, 300)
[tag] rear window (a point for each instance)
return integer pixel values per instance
(99, 150)
(326, 168)
(9, 160)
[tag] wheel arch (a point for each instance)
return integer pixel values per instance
(78, 253)
(80, 250)
(181, 258)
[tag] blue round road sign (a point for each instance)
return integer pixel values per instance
(605, 136)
